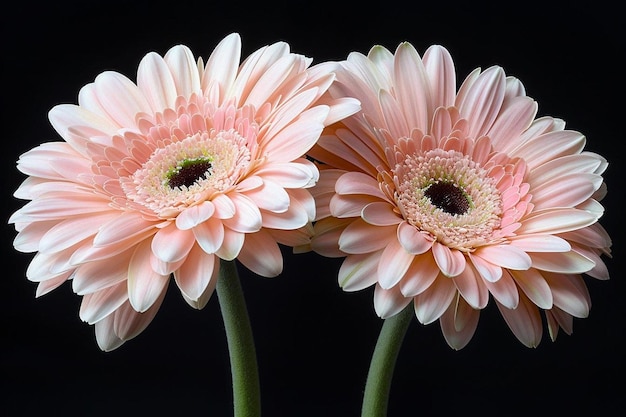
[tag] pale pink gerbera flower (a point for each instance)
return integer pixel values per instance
(192, 164)
(444, 198)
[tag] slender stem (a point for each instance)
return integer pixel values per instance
(243, 363)
(378, 385)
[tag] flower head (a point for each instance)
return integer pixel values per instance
(191, 164)
(447, 198)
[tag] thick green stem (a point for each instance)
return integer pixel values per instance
(243, 363)
(378, 385)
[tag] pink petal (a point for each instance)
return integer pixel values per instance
(297, 138)
(196, 273)
(224, 206)
(540, 243)
(358, 183)
(504, 290)
(289, 175)
(273, 76)
(410, 76)
(524, 321)
(96, 306)
(362, 237)
(535, 287)
(293, 110)
(71, 231)
(105, 335)
(155, 81)
(182, 65)
(505, 256)
(512, 122)
(562, 262)
(569, 164)
(348, 206)
(64, 116)
(421, 274)
(459, 323)
(128, 226)
(144, 285)
(393, 115)
(253, 67)
(120, 97)
(441, 75)
(194, 215)
(97, 275)
(569, 293)
(358, 272)
(129, 323)
(231, 244)
(294, 217)
(261, 254)
(221, 67)
(389, 302)
(270, 196)
(556, 220)
(565, 191)
(52, 283)
(170, 244)
(209, 235)
(58, 207)
(247, 217)
(380, 214)
(481, 103)
(471, 287)
(450, 261)
(561, 143)
(412, 240)
(394, 263)
(433, 302)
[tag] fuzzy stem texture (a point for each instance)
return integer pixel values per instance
(378, 385)
(243, 362)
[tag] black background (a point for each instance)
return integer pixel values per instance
(313, 341)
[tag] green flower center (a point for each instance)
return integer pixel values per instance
(189, 171)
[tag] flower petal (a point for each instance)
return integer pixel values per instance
(358, 272)
(450, 261)
(194, 215)
(389, 302)
(394, 263)
(144, 285)
(196, 273)
(362, 237)
(459, 323)
(412, 240)
(433, 302)
(96, 306)
(505, 256)
(260, 254)
(170, 244)
(524, 321)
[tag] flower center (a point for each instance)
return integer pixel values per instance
(450, 196)
(187, 172)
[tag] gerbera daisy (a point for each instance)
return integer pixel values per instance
(192, 164)
(448, 198)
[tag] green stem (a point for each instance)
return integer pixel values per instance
(378, 385)
(243, 363)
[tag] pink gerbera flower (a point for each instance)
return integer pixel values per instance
(445, 198)
(192, 164)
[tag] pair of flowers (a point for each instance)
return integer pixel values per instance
(441, 198)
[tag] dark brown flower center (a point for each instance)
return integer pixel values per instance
(188, 172)
(448, 197)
